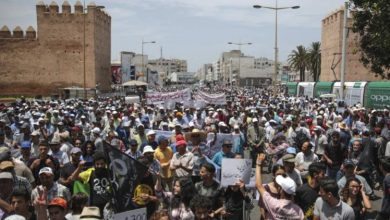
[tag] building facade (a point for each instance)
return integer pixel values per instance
(331, 48)
(51, 58)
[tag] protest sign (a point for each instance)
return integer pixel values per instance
(234, 170)
(136, 214)
(217, 145)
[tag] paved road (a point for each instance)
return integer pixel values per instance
(376, 205)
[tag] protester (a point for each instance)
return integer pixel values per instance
(182, 162)
(282, 207)
(329, 205)
(353, 194)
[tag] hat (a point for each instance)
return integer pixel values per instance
(75, 150)
(348, 163)
(236, 126)
(221, 124)
(25, 144)
(161, 138)
(35, 133)
(54, 141)
(15, 217)
(133, 142)
(179, 137)
(255, 120)
(179, 114)
(286, 183)
(147, 149)
(58, 201)
(289, 158)
(96, 130)
(291, 150)
(90, 213)
(83, 116)
(342, 125)
(47, 170)
(318, 128)
(6, 175)
(227, 143)
(181, 142)
(272, 121)
(151, 132)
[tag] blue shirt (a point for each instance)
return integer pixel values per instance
(217, 159)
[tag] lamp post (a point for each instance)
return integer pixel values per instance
(142, 69)
(276, 9)
(84, 48)
(239, 44)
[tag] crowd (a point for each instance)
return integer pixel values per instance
(325, 161)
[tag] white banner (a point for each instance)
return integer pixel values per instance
(216, 99)
(159, 97)
(234, 170)
(138, 214)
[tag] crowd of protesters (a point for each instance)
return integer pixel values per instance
(325, 161)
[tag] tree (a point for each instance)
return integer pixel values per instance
(314, 60)
(298, 61)
(371, 21)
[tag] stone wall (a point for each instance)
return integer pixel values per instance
(55, 58)
(331, 47)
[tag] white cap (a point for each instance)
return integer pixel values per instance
(147, 149)
(83, 116)
(151, 132)
(15, 217)
(236, 126)
(221, 124)
(255, 120)
(287, 184)
(96, 130)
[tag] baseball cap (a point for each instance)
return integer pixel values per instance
(289, 158)
(90, 213)
(75, 150)
(133, 142)
(291, 150)
(151, 132)
(255, 120)
(286, 183)
(58, 201)
(47, 170)
(25, 144)
(15, 217)
(147, 149)
(6, 175)
(181, 143)
(96, 130)
(348, 163)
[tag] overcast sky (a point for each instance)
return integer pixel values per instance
(197, 30)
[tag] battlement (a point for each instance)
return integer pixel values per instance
(335, 16)
(17, 33)
(53, 9)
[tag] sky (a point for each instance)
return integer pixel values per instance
(197, 30)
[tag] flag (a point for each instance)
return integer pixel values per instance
(125, 175)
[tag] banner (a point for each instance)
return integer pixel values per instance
(116, 74)
(234, 170)
(125, 175)
(159, 97)
(216, 99)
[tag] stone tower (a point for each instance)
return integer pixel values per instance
(65, 48)
(331, 47)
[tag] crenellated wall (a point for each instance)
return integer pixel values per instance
(54, 59)
(331, 47)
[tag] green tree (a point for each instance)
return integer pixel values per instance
(298, 61)
(371, 21)
(314, 60)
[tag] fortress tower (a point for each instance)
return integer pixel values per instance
(331, 47)
(51, 58)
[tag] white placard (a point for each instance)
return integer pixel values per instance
(136, 214)
(234, 170)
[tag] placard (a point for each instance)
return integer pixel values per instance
(136, 214)
(234, 170)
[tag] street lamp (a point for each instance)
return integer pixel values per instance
(84, 54)
(239, 61)
(276, 9)
(145, 42)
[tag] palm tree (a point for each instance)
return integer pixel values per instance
(314, 60)
(298, 61)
